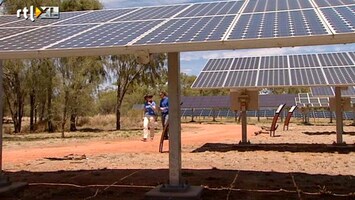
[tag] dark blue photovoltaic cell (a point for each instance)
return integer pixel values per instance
(109, 34)
(335, 59)
(344, 75)
(310, 60)
(329, 91)
(12, 31)
(352, 55)
(270, 25)
(322, 91)
(43, 22)
(8, 18)
(245, 63)
(276, 5)
(41, 37)
(273, 78)
(307, 77)
(97, 16)
(241, 79)
(153, 13)
(326, 3)
(188, 30)
(288, 70)
(273, 62)
(218, 64)
(220, 8)
(210, 79)
(342, 19)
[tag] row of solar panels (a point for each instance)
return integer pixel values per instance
(202, 22)
(260, 113)
(306, 70)
(308, 100)
(265, 101)
(330, 91)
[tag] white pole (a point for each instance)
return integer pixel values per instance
(174, 119)
(338, 115)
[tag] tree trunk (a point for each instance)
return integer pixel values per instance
(64, 117)
(49, 108)
(35, 114)
(32, 111)
(42, 110)
(73, 122)
(118, 118)
(118, 107)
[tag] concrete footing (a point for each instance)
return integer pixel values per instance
(170, 193)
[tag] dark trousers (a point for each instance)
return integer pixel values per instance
(164, 119)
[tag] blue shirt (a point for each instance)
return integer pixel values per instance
(148, 108)
(164, 103)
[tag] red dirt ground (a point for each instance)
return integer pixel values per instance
(126, 168)
(210, 133)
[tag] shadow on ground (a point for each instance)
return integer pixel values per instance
(326, 133)
(315, 148)
(132, 184)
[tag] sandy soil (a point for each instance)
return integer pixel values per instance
(301, 169)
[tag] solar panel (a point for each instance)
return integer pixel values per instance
(211, 9)
(278, 24)
(342, 19)
(108, 35)
(308, 100)
(326, 3)
(189, 30)
(265, 101)
(279, 71)
(97, 16)
(64, 17)
(329, 91)
(218, 64)
(42, 37)
(217, 25)
(211, 79)
(276, 5)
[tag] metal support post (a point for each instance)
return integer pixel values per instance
(339, 115)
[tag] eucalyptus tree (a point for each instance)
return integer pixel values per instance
(14, 74)
(128, 72)
(79, 78)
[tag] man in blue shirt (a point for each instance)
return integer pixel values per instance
(164, 108)
(149, 117)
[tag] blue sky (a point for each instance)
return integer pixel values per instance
(193, 62)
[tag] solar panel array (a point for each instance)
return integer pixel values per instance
(329, 91)
(144, 27)
(279, 71)
(308, 100)
(265, 101)
(261, 113)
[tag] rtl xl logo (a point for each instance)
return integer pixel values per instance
(43, 12)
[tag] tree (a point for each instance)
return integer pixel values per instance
(11, 6)
(14, 89)
(128, 72)
(80, 76)
(80, 5)
(40, 79)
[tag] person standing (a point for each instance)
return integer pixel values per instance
(164, 108)
(149, 117)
